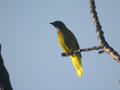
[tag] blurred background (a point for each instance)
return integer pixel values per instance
(32, 54)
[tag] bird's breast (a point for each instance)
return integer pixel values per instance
(60, 37)
(61, 40)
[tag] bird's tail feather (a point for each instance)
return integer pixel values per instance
(76, 60)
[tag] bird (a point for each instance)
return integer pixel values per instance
(69, 43)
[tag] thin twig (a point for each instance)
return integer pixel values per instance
(101, 51)
(100, 34)
(82, 50)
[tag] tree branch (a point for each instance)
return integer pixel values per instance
(4, 76)
(82, 50)
(100, 34)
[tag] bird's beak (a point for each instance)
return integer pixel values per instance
(52, 23)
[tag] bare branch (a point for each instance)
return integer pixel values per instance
(82, 50)
(100, 35)
(107, 48)
(92, 48)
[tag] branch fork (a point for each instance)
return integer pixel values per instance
(104, 46)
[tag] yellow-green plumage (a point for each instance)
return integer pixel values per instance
(68, 43)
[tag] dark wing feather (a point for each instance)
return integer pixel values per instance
(71, 41)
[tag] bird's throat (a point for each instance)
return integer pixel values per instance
(57, 29)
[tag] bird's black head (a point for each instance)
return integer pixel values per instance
(58, 24)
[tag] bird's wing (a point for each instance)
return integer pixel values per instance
(71, 41)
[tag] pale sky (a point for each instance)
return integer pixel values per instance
(32, 54)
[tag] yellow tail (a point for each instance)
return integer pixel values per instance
(76, 60)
